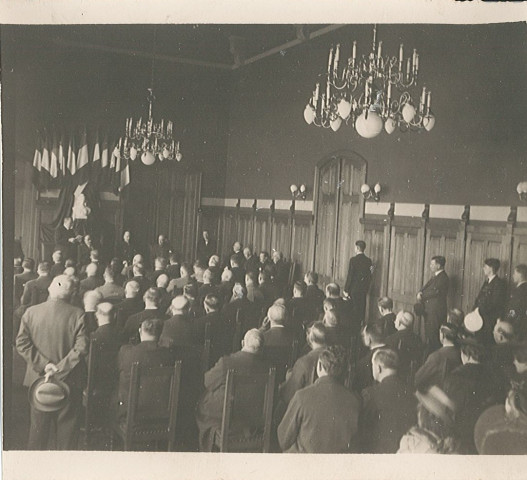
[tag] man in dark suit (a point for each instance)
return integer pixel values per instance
(304, 371)
(36, 291)
(175, 287)
(147, 353)
(389, 407)
(405, 342)
(128, 270)
(441, 362)
(106, 375)
(387, 320)
(178, 329)
(132, 304)
(220, 336)
(281, 273)
(173, 269)
(160, 265)
(373, 339)
(335, 333)
(139, 277)
(251, 261)
(314, 295)
(111, 291)
(210, 407)
(224, 289)
(90, 300)
(160, 249)
(207, 286)
(65, 239)
(206, 247)
(517, 305)
(53, 342)
(433, 295)
(84, 251)
(21, 279)
(58, 264)
(323, 417)
(300, 311)
(92, 280)
(238, 273)
(131, 328)
(126, 250)
(242, 310)
(267, 289)
(472, 388)
(492, 298)
(358, 280)
(278, 334)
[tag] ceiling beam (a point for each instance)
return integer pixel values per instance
(142, 54)
(302, 37)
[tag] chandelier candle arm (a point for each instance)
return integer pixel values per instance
(364, 86)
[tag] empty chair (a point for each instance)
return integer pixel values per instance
(152, 406)
(247, 413)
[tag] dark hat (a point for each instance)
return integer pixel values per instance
(48, 396)
(438, 404)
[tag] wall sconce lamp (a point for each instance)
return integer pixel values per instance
(522, 191)
(298, 192)
(371, 192)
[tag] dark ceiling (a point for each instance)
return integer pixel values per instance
(216, 44)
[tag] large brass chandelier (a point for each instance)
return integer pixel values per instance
(149, 139)
(370, 92)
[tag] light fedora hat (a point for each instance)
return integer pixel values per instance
(48, 396)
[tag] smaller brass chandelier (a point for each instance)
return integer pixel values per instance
(370, 92)
(147, 138)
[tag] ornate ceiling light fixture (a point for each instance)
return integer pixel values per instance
(150, 139)
(370, 91)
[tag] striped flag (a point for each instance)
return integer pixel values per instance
(125, 174)
(37, 160)
(83, 159)
(54, 160)
(72, 156)
(62, 158)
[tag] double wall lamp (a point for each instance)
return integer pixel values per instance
(522, 191)
(298, 192)
(371, 192)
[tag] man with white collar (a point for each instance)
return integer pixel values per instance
(517, 305)
(491, 298)
(433, 296)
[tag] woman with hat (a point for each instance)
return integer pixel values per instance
(435, 421)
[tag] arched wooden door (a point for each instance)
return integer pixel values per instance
(338, 208)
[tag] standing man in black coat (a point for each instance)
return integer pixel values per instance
(517, 305)
(491, 299)
(358, 281)
(206, 247)
(65, 239)
(433, 296)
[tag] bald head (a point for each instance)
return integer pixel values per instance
(61, 287)
(226, 275)
(162, 280)
(91, 300)
(404, 320)
(104, 313)
(253, 341)
(91, 270)
(180, 305)
(276, 314)
(137, 259)
(131, 290)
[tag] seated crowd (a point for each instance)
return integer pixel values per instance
(346, 384)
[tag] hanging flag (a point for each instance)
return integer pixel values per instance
(96, 161)
(83, 160)
(54, 159)
(114, 176)
(45, 176)
(62, 158)
(37, 160)
(125, 174)
(72, 156)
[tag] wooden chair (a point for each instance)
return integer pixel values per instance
(247, 413)
(96, 396)
(152, 406)
(281, 358)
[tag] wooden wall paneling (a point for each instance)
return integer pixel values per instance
(262, 230)
(519, 250)
(302, 241)
(446, 237)
(351, 208)
(405, 267)
(281, 233)
(191, 200)
(245, 226)
(230, 231)
(374, 237)
(326, 223)
(484, 240)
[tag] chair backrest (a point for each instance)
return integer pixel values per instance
(153, 397)
(247, 409)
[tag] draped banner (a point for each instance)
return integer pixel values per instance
(75, 163)
(70, 157)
